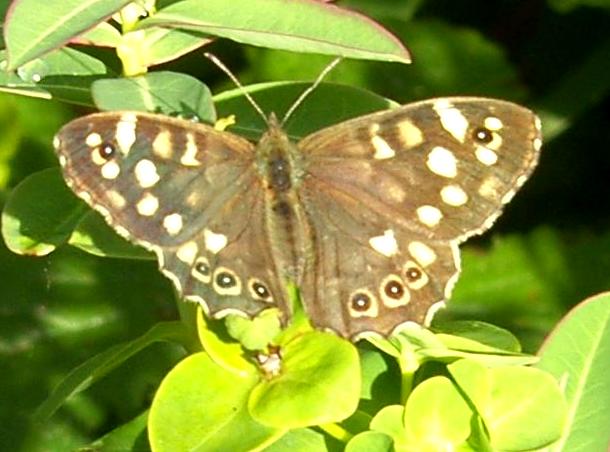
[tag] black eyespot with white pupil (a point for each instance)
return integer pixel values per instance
(260, 290)
(225, 280)
(107, 151)
(202, 268)
(394, 289)
(413, 274)
(482, 135)
(361, 302)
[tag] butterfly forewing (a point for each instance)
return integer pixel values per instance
(441, 168)
(366, 216)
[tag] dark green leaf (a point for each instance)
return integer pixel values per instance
(41, 214)
(299, 26)
(34, 28)
(96, 367)
(160, 92)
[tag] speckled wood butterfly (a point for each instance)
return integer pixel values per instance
(365, 216)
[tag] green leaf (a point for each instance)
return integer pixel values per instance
(370, 442)
(379, 376)
(499, 285)
(299, 440)
(98, 366)
(226, 353)
(436, 416)
(319, 383)
(312, 115)
(510, 399)
(127, 437)
(33, 28)
(299, 26)
(167, 44)
(93, 235)
(577, 354)
(65, 74)
(256, 333)
(170, 93)
(202, 407)
(389, 420)
(40, 214)
(484, 333)
(102, 35)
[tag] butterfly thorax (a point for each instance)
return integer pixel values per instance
(278, 159)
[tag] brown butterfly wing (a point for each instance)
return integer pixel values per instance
(392, 194)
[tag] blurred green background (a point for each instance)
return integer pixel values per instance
(550, 249)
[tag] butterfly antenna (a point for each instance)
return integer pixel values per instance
(226, 70)
(308, 91)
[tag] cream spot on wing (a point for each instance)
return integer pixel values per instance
(146, 173)
(93, 140)
(490, 187)
(429, 215)
(441, 161)
(214, 242)
(382, 148)
(97, 158)
(520, 180)
(56, 142)
(62, 160)
(493, 123)
(188, 158)
(422, 253)
(125, 134)
(486, 156)
(187, 252)
(148, 205)
(193, 198)
(173, 223)
(508, 196)
(537, 144)
(116, 199)
(409, 133)
(452, 120)
(454, 195)
(110, 170)
(385, 244)
(496, 141)
(85, 196)
(162, 145)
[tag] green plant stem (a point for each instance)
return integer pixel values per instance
(409, 364)
(336, 431)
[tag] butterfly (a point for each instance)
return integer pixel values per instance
(365, 216)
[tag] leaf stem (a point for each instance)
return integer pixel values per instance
(336, 431)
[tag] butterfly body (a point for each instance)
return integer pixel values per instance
(365, 216)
